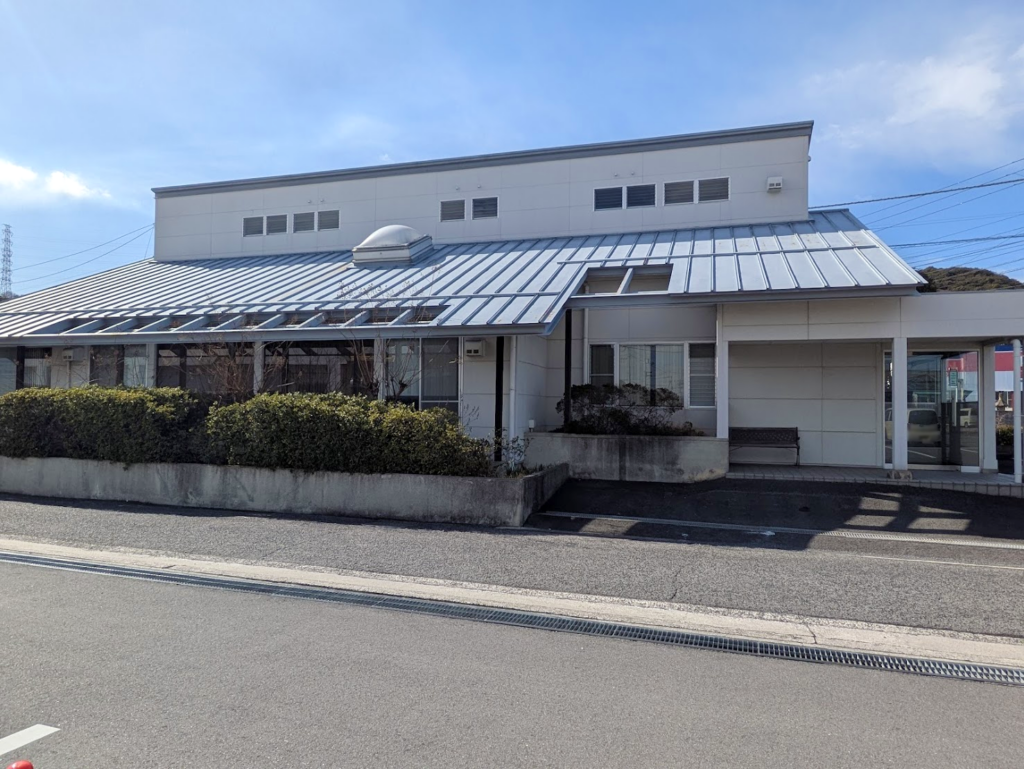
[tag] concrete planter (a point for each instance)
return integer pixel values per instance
(660, 458)
(427, 498)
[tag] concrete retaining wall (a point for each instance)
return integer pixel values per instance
(429, 498)
(665, 459)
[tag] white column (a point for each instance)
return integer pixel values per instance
(1017, 408)
(722, 388)
(513, 355)
(259, 350)
(151, 363)
(899, 405)
(987, 404)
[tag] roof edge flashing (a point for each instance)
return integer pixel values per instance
(566, 152)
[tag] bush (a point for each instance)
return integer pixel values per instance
(345, 434)
(1004, 435)
(116, 424)
(626, 410)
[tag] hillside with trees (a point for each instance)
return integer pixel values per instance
(966, 279)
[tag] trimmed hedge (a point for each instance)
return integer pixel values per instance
(119, 425)
(293, 431)
(348, 434)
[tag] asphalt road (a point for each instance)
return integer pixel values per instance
(137, 674)
(943, 588)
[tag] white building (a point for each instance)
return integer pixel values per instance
(689, 262)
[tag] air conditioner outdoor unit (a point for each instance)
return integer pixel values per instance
(70, 354)
(475, 348)
(774, 184)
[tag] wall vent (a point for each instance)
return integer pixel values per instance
(713, 189)
(327, 220)
(303, 222)
(277, 224)
(252, 225)
(485, 208)
(678, 192)
(607, 198)
(453, 210)
(640, 195)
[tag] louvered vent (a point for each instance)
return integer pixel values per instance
(485, 208)
(277, 224)
(678, 192)
(607, 198)
(327, 220)
(252, 225)
(303, 222)
(713, 189)
(453, 210)
(640, 195)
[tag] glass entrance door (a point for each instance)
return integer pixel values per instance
(942, 409)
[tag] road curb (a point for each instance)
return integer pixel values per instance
(755, 626)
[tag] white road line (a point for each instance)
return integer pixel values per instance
(941, 563)
(25, 736)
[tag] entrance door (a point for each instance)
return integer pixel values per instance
(943, 418)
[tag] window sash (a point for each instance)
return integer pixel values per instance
(686, 368)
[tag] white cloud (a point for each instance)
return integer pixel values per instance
(14, 176)
(61, 183)
(965, 104)
(20, 184)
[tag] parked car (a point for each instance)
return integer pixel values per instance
(923, 428)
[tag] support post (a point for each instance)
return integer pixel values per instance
(567, 395)
(499, 386)
(19, 370)
(1018, 477)
(259, 354)
(987, 418)
(722, 389)
(900, 459)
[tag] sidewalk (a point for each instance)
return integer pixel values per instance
(941, 588)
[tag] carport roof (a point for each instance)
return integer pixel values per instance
(521, 286)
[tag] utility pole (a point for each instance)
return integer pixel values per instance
(5, 268)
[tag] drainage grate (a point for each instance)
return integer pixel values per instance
(960, 671)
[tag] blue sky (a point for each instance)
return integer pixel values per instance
(104, 100)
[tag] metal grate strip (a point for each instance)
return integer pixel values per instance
(917, 666)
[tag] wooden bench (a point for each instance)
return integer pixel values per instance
(765, 438)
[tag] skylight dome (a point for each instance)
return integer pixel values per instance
(392, 243)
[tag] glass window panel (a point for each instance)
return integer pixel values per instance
(635, 364)
(669, 367)
(440, 381)
(602, 365)
(37, 367)
(702, 375)
(8, 369)
(136, 361)
(403, 371)
(104, 361)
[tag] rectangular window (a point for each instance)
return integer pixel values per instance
(440, 374)
(303, 222)
(136, 362)
(453, 210)
(712, 189)
(277, 224)
(252, 225)
(485, 208)
(659, 366)
(320, 367)
(678, 192)
(8, 369)
(607, 198)
(640, 195)
(702, 375)
(105, 362)
(170, 368)
(37, 367)
(327, 220)
(602, 365)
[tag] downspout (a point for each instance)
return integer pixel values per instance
(513, 351)
(499, 386)
(567, 410)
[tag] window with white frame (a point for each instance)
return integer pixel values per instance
(423, 373)
(37, 367)
(686, 369)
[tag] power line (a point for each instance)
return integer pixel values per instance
(81, 264)
(84, 250)
(961, 240)
(940, 210)
(924, 194)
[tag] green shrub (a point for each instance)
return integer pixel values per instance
(116, 424)
(626, 410)
(1004, 435)
(345, 434)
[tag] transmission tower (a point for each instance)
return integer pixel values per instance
(5, 269)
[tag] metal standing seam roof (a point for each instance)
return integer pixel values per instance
(521, 286)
